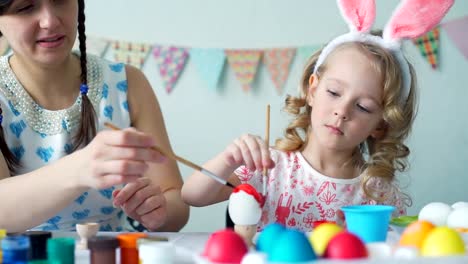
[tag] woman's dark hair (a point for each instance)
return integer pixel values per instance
(87, 127)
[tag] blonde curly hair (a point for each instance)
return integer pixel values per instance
(385, 155)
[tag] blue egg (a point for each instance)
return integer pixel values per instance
(291, 246)
(268, 236)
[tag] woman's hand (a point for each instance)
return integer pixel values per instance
(143, 201)
(248, 150)
(116, 157)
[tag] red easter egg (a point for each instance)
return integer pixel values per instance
(225, 246)
(345, 245)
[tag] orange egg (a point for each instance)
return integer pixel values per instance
(415, 233)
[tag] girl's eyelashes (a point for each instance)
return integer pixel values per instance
(332, 93)
(363, 109)
(24, 9)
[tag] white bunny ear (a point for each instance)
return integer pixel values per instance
(358, 14)
(414, 18)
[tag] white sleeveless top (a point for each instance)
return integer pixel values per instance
(38, 136)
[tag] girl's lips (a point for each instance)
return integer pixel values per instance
(334, 130)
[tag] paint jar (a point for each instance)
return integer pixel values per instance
(128, 247)
(2, 235)
(156, 252)
(61, 250)
(103, 249)
(38, 241)
(15, 249)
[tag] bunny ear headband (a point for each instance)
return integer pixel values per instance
(411, 19)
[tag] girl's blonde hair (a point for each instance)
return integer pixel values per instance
(386, 154)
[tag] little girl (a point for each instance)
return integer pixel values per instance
(346, 142)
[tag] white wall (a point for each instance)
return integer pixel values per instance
(202, 122)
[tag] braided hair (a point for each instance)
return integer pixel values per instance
(87, 128)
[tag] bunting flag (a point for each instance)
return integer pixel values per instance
(305, 52)
(244, 63)
(94, 45)
(277, 62)
(4, 46)
(429, 46)
(457, 31)
(209, 64)
(171, 61)
(131, 53)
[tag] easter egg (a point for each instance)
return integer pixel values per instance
(443, 241)
(225, 246)
(322, 234)
(415, 233)
(291, 246)
(458, 218)
(345, 245)
(459, 205)
(268, 236)
(435, 213)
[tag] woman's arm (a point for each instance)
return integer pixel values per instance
(146, 116)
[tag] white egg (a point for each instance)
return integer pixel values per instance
(435, 213)
(254, 258)
(244, 209)
(458, 218)
(459, 205)
(406, 252)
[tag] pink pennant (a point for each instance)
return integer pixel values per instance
(244, 63)
(277, 62)
(457, 30)
(171, 61)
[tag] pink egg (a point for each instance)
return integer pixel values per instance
(225, 246)
(345, 245)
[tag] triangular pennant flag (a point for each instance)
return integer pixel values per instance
(131, 53)
(94, 45)
(305, 52)
(457, 30)
(429, 46)
(4, 46)
(171, 61)
(209, 63)
(244, 63)
(278, 62)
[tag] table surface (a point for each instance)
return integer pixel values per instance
(190, 245)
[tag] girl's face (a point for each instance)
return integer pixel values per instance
(346, 101)
(41, 30)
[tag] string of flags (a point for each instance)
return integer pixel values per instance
(209, 63)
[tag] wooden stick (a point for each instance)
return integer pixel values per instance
(267, 142)
(172, 155)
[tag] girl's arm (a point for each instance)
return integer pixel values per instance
(146, 116)
(248, 150)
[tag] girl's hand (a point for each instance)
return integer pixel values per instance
(248, 150)
(143, 201)
(116, 157)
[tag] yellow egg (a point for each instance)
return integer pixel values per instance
(443, 241)
(321, 235)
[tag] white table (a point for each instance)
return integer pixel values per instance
(190, 245)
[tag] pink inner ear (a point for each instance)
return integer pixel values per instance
(358, 13)
(416, 17)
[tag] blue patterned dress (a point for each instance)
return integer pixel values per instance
(38, 136)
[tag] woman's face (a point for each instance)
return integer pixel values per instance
(40, 30)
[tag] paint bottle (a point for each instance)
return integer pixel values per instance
(2, 235)
(61, 250)
(38, 241)
(15, 249)
(103, 249)
(128, 247)
(156, 252)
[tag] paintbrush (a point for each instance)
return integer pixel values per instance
(172, 155)
(267, 142)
